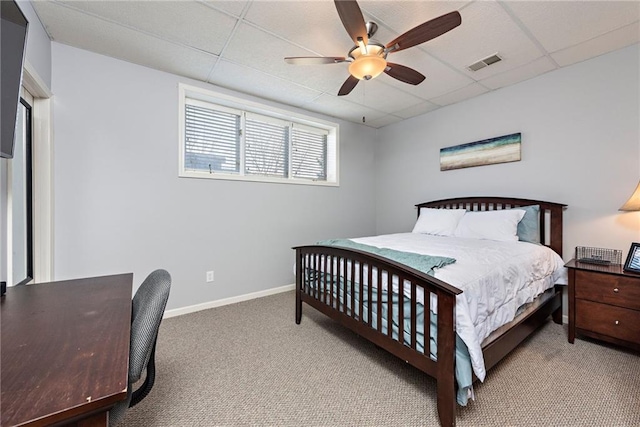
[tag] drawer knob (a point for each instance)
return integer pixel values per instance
(617, 322)
(616, 290)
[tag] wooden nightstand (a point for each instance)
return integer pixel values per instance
(604, 303)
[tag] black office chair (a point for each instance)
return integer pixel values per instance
(148, 307)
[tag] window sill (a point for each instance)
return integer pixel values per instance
(255, 178)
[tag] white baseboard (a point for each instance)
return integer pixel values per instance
(226, 301)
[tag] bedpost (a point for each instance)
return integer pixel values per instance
(556, 229)
(299, 284)
(446, 359)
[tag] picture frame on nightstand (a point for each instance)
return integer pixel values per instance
(633, 259)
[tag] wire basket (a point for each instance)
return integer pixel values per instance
(600, 256)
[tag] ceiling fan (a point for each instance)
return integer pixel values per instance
(368, 58)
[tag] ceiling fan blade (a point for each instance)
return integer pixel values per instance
(426, 31)
(314, 60)
(348, 86)
(404, 74)
(352, 19)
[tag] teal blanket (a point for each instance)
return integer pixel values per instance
(423, 263)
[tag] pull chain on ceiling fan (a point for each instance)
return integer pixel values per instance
(368, 58)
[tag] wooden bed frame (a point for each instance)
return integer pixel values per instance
(494, 348)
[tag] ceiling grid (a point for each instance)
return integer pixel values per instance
(241, 45)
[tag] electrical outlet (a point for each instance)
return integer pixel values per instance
(209, 276)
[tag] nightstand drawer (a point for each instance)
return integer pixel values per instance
(608, 320)
(608, 288)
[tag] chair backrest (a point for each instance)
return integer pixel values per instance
(148, 307)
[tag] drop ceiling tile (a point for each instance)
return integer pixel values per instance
(383, 121)
(380, 96)
(90, 33)
(270, 59)
(234, 7)
(486, 29)
(560, 24)
(253, 82)
(339, 107)
(609, 42)
(526, 72)
(460, 95)
(317, 25)
(189, 23)
(405, 15)
(439, 78)
(417, 110)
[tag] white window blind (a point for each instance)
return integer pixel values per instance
(267, 143)
(308, 153)
(212, 140)
(223, 137)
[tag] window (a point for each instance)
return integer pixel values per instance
(308, 153)
(227, 138)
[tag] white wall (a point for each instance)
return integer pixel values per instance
(120, 205)
(38, 43)
(580, 130)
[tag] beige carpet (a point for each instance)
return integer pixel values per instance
(249, 364)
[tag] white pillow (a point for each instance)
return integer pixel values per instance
(499, 225)
(441, 222)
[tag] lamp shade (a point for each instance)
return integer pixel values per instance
(368, 61)
(633, 204)
(367, 67)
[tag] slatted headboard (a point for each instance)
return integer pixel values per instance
(550, 232)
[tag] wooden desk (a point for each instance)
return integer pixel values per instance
(65, 351)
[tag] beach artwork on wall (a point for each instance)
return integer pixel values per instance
(502, 149)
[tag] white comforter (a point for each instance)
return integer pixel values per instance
(496, 279)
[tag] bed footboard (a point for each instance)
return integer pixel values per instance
(377, 298)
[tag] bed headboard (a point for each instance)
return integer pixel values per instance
(550, 213)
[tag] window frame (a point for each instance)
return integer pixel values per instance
(26, 101)
(224, 102)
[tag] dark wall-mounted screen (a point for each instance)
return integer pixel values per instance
(13, 38)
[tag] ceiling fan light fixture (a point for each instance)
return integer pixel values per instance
(367, 67)
(368, 58)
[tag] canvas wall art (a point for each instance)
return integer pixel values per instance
(502, 149)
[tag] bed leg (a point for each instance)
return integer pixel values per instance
(298, 306)
(446, 360)
(299, 261)
(446, 402)
(556, 315)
